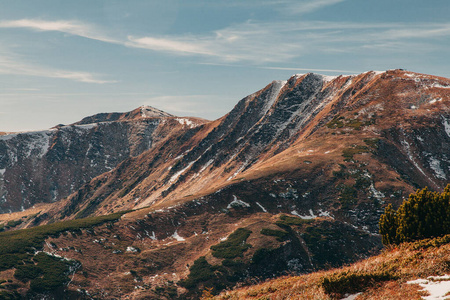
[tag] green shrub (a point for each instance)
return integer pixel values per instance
(30, 239)
(54, 271)
(288, 221)
(351, 282)
(424, 214)
(201, 272)
(234, 246)
(26, 272)
(8, 261)
(279, 234)
(13, 223)
(4, 295)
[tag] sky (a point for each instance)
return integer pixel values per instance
(63, 60)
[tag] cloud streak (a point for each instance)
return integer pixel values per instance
(11, 66)
(262, 43)
(259, 43)
(65, 26)
(304, 7)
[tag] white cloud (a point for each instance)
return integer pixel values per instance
(69, 27)
(263, 43)
(180, 45)
(303, 7)
(12, 66)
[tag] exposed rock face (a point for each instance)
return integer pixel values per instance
(46, 166)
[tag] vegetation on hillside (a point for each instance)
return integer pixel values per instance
(384, 276)
(21, 250)
(425, 214)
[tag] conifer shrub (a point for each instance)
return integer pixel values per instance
(425, 214)
(289, 221)
(234, 246)
(350, 282)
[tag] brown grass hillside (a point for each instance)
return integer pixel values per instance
(384, 276)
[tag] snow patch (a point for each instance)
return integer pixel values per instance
(206, 165)
(310, 217)
(176, 236)
(351, 297)
(435, 100)
(177, 174)
(86, 126)
(325, 214)
(436, 167)
(186, 122)
(376, 193)
(326, 78)
(277, 85)
(440, 86)
(262, 207)
(2, 171)
(446, 126)
(436, 286)
(132, 249)
(237, 203)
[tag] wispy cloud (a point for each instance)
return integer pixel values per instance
(69, 27)
(12, 66)
(303, 7)
(261, 43)
(178, 45)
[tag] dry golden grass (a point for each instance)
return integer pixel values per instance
(408, 262)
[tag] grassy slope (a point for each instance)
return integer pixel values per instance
(407, 262)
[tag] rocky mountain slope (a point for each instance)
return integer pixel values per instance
(362, 139)
(293, 179)
(46, 166)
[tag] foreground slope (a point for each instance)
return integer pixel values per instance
(412, 271)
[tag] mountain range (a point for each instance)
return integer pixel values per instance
(292, 180)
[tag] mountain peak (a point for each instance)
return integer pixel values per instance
(138, 113)
(151, 112)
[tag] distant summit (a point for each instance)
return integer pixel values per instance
(138, 113)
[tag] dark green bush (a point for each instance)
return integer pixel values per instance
(201, 272)
(352, 282)
(13, 223)
(288, 221)
(27, 272)
(8, 261)
(30, 239)
(424, 214)
(234, 246)
(279, 234)
(55, 272)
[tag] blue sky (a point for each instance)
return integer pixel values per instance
(63, 60)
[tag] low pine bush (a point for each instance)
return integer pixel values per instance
(424, 214)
